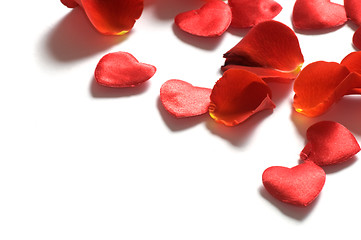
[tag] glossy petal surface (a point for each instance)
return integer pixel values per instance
(121, 69)
(353, 62)
(238, 95)
(182, 99)
(248, 13)
(298, 186)
(318, 14)
(211, 20)
(320, 85)
(353, 10)
(270, 45)
(329, 143)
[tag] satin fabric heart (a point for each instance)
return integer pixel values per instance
(329, 143)
(182, 99)
(122, 69)
(298, 186)
(317, 14)
(211, 20)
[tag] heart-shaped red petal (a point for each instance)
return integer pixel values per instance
(318, 14)
(270, 45)
(329, 143)
(238, 95)
(356, 39)
(353, 10)
(298, 186)
(248, 13)
(353, 62)
(320, 85)
(182, 99)
(211, 20)
(110, 17)
(121, 69)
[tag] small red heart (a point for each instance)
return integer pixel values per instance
(211, 20)
(329, 143)
(182, 99)
(318, 14)
(121, 69)
(298, 186)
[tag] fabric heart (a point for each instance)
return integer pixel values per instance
(318, 14)
(298, 186)
(121, 69)
(329, 143)
(211, 20)
(182, 99)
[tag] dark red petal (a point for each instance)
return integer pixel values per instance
(238, 95)
(121, 69)
(329, 143)
(319, 85)
(110, 17)
(248, 13)
(318, 14)
(353, 10)
(182, 99)
(356, 39)
(270, 45)
(211, 20)
(69, 3)
(298, 186)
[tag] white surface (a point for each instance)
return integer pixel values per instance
(80, 161)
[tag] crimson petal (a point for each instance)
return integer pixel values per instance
(238, 95)
(353, 10)
(182, 99)
(318, 14)
(356, 39)
(248, 13)
(329, 143)
(269, 45)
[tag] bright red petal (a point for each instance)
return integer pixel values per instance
(110, 17)
(353, 62)
(211, 20)
(121, 69)
(318, 14)
(329, 143)
(298, 186)
(353, 10)
(271, 45)
(357, 38)
(320, 85)
(238, 95)
(248, 13)
(181, 99)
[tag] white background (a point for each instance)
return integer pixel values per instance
(81, 161)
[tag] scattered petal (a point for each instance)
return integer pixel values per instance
(318, 14)
(329, 143)
(357, 38)
(270, 45)
(182, 99)
(121, 69)
(238, 95)
(110, 17)
(353, 62)
(298, 186)
(320, 85)
(248, 13)
(211, 20)
(353, 10)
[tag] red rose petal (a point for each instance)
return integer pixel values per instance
(318, 14)
(211, 20)
(238, 95)
(270, 45)
(110, 17)
(248, 13)
(353, 62)
(319, 85)
(182, 99)
(329, 143)
(356, 39)
(353, 10)
(298, 186)
(121, 69)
